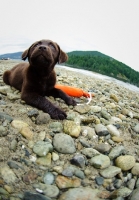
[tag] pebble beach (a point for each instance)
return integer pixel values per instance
(92, 155)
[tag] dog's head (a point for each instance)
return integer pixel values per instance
(44, 54)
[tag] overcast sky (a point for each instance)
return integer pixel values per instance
(108, 26)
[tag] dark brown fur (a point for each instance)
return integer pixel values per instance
(37, 78)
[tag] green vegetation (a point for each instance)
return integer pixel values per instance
(103, 64)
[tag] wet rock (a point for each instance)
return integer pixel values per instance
(95, 109)
(78, 173)
(135, 195)
(84, 194)
(114, 97)
(4, 116)
(29, 177)
(113, 130)
(27, 133)
(42, 148)
(78, 160)
(101, 130)
(100, 161)
(14, 165)
(71, 128)
(90, 119)
(65, 182)
(56, 127)
(82, 109)
(135, 169)
(84, 142)
(13, 96)
(58, 169)
(118, 183)
(5, 89)
(131, 184)
(48, 190)
(48, 178)
(19, 124)
(3, 191)
(122, 192)
(127, 112)
(45, 160)
(3, 131)
(55, 156)
(9, 189)
(105, 114)
(90, 152)
(64, 143)
(74, 116)
(8, 175)
(13, 145)
(89, 132)
(136, 128)
(125, 162)
(115, 120)
(102, 147)
(42, 118)
(117, 139)
(42, 135)
(99, 180)
(68, 172)
(116, 151)
(33, 113)
(34, 196)
(110, 172)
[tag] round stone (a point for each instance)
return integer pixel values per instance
(48, 178)
(135, 169)
(113, 130)
(64, 143)
(101, 130)
(42, 148)
(125, 162)
(100, 161)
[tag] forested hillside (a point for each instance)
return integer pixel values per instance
(103, 64)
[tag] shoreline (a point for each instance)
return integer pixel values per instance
(100, 76)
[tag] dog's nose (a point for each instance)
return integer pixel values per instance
(42, 48)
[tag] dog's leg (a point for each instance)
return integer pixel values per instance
(6, 77)
(42, 103)
(57, 93)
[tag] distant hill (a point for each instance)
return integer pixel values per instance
(97, 62)
(16, 55)
(84, 53)
(103, 64)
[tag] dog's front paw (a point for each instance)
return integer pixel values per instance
(58, 114)
(71, 101)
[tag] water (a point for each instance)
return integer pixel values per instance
(100, 76)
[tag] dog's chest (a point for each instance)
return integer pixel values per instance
(45, 85)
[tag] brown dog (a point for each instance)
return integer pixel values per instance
(37, 78)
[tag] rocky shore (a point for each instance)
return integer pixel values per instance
(92, 155)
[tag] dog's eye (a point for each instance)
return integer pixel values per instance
(52, 46)
(37, 45)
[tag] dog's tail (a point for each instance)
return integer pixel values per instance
(6, 77)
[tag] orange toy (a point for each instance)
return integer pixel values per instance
(72, 91)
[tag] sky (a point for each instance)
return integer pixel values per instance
(108, 26)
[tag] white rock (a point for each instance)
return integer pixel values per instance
(113, 130)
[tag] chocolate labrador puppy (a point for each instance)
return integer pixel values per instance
(36, 79)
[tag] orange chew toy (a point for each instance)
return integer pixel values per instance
(72, 91)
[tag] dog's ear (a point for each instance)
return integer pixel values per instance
(25, 54)
(63, 57)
